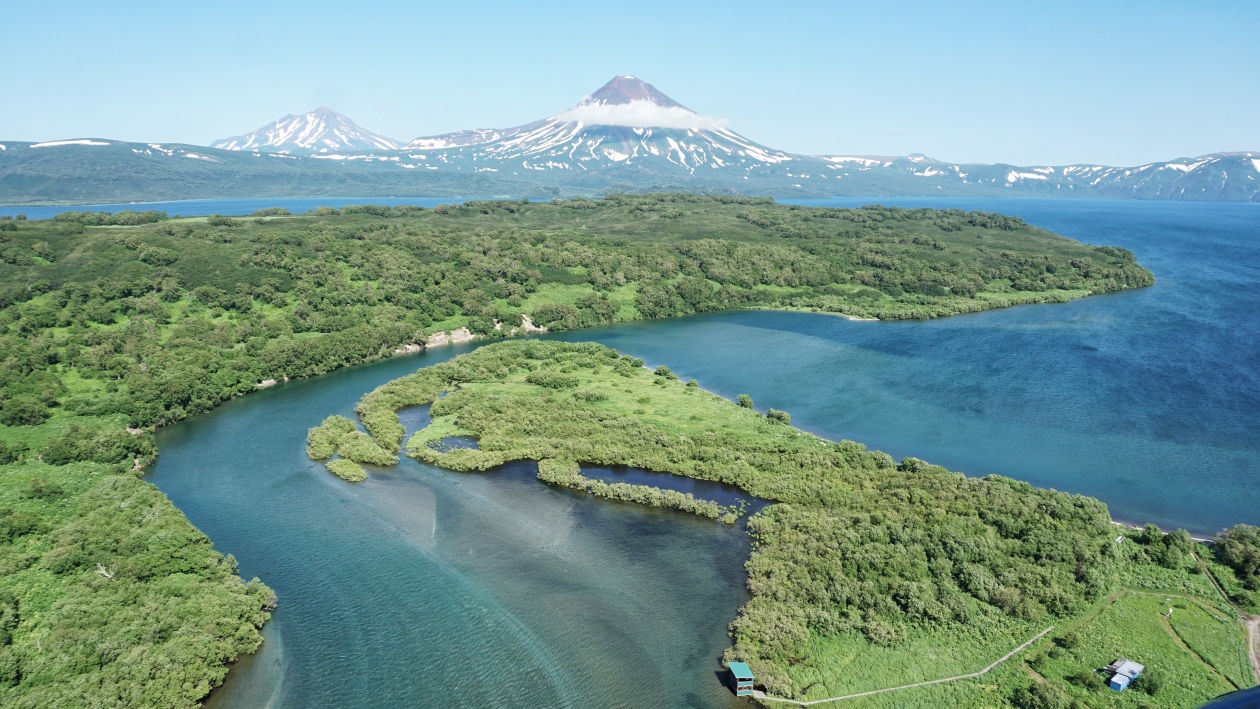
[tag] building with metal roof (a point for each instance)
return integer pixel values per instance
(742, 676)
(1123, 671)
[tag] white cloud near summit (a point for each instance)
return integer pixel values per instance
(639, 114)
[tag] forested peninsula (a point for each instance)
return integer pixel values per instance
(113, 325)
(866, 573)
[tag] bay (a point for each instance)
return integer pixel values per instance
(424, 587)
(1148, 399)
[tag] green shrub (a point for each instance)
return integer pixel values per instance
(359, 447)
(1149, 682)
(321, 441)
(24, 411)
(780, 416)
(552, 380)
(376, 210)
(1087, 680)
(347, 470)
(157, 256)
(1239, 548)
(12, 452)
(38, 488)
(556, 316)
(1040, 696)
(745, 401)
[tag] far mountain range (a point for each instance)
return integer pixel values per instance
(627, 136)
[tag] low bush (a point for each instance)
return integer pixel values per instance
(347, 470)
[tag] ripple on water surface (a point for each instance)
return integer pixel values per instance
(424, 587)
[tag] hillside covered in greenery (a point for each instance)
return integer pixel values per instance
(112, 325)
(867, 573)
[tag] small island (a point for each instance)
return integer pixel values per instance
(906, 570)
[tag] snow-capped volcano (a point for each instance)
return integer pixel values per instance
(627, 122)
(634, 103)
(320, 131)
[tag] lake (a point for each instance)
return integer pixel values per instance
(423, 587)
(229, 207)
(1148, 400)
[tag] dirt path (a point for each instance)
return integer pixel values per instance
(1251, 623)
(1253, 643)
(1172, 633)
(1004, 658)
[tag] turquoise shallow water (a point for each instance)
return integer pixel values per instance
(423, 587)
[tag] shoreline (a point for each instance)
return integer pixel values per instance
(614, 449)
(474, 338)
(1129, 525)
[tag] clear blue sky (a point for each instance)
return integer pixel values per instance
(1026, 83)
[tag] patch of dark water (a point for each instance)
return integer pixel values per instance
(450, 443)
(720, 493)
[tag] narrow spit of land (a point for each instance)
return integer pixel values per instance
(904, 568)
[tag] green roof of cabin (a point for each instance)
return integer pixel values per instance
(741, 670)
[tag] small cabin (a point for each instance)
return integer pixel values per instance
(742, 677)
(1123, 671)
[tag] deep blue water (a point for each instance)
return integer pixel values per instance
(1148, 399)
(229, 207)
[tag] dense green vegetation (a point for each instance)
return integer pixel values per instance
(338, 434)
(569, 474)
(109, 597)
(1238, 550)
(906, 568)
(175, 316)
(113, 325)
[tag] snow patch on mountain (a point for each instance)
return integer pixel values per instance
(640, 113)
(322, 130)
(55, 143)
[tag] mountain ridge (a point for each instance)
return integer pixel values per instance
(626, 136)
(321, 130)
